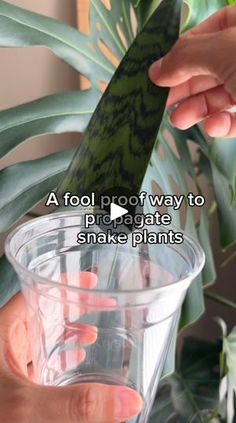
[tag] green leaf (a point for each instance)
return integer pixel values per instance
(21, 28)
(9, 282)
(217, 165)
(193, 306)
(226, 208)
(136, 3)
(169, 366)
(113, 154)
(23, 185)
(204, 166)
(180, 139)
(198, 137)
(162, 172)
(209, 271)
(190, 395)
(222, 151)
(199, 11)
(144, 9)
(111, 23)
(60, 113)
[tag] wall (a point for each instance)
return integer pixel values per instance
(27, 74)
(30, 73)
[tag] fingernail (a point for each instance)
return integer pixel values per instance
(130, 404)
(155, 70)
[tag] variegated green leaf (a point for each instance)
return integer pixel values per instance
(21, 28)
(56, 114)
(199, 11)
(23, 185)
(118, 142)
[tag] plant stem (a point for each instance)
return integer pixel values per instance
(215, 414)
(32, 214)
(219, 299)
(212, 209)
(228, 260)
(190, 396)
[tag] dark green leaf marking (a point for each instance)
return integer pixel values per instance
(119, 140)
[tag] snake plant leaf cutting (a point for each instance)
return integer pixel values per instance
(116, 147)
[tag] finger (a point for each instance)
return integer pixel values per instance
(221, 125)
(68, 359)
(14, 309)
(83, 280)
(87, 280)
(195, 55)
(199, 107)
(224, 18)
(188, 58)
(92, 304)
(79, 333)
(17, 347)
(87, 301)
(14, 340)
(86, 403)
(189, 88)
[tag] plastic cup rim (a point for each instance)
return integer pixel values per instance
(196, 269)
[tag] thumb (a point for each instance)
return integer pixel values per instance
(85, 403)
(195, 55)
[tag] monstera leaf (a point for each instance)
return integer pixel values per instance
(144, 9)
(34, 178)
(204, 9)
(56, 114)
(21, 28)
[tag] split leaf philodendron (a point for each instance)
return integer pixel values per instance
(117, 144)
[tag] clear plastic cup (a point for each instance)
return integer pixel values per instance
(100, 313)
